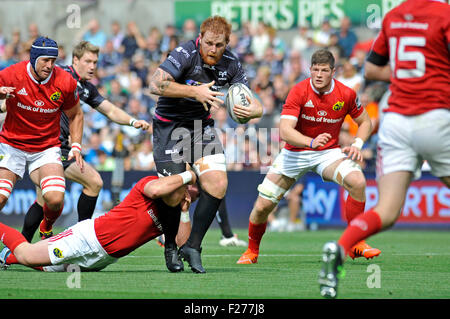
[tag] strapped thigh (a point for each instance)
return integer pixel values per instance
(343, 169)
(271, 191)
(6, 187)
(208, 163)
(53, 184)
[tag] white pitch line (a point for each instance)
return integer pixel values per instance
(297, 255)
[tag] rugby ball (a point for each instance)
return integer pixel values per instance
(237, 94)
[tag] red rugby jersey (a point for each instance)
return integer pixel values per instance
(130, 224)
(414, 39)
(32, 122)
(318, 113)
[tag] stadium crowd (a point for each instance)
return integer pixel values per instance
(129, 56)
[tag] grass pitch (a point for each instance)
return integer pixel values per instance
(413, 265)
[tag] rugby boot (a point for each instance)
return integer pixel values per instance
(332, 269)
(193, 257)
(248, 257)
(173, 260)
(362, 249)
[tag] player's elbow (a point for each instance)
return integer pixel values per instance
(370, 71)
(154, 191)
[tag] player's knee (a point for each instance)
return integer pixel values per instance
(3, 200)
(95, 185)
(54, 200)
(215, 184)
(263, 206)
(356, 181)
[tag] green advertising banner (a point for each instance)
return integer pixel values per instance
(286, 14)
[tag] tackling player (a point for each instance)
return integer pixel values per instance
(412, 52)
(188, 83)
(85, 57)
(310, 123)
(93, 244)
(37, 94)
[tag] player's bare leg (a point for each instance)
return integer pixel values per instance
(355, 183)
(260, 213)
(92, 184)
(50, 178)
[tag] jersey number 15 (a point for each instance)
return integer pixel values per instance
(403, 55)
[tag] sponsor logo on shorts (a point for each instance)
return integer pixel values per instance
(338, 105)
(58, 253)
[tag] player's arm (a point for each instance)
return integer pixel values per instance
(362, 135)
(291, 135)
(377, 72)
(377, 66)
(166, 185)
(76, 120)
(163, 84)
(119, 116)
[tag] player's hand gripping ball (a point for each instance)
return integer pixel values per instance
(237, 94)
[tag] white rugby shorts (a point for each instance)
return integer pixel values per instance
(78, 245)
(296, 164)
(405, 142)
(16, 160)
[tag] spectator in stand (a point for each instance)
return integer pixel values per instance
(294, 69)
(322, 36)
(139, 66)
(346, 37)
(270, 114)
(260, 41)
(117, 95)
(152, 51)
(132, 41)
(262, 81)
(190, 30)
(16, 42)
(243, 46)
(108, 60)
(8, 58)
(350, 77)
(144, 161)
(300, 39)
(280, 92)
(169, 32)
(94, 34)
(116, 35)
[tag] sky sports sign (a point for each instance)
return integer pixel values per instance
(427, 202)
(286, 14)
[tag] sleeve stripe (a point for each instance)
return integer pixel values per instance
(289, 117)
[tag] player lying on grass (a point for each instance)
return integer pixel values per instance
(93, 244)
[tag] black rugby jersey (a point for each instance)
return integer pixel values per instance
(88, 94)
(186, 66)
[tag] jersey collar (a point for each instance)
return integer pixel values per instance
(32, 77)
(319, 93)
(75, 72)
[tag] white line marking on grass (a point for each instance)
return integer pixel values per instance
(295, 255)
